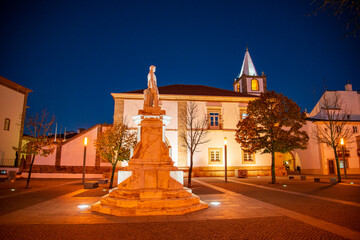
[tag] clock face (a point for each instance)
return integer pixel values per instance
(254, 85)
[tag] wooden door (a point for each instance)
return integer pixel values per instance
(331, 167)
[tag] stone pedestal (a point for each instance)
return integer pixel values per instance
(151, 184)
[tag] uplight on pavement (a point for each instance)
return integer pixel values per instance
(215, 203)
(83, 206)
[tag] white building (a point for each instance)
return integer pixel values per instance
(224, 109)
(13, 99)
(319, 158)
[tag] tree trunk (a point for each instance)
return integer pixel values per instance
(273, 179)
(337, 165)
(190, 170)
(112, 175)
(28, 179)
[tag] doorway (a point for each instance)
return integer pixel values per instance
(331, 167)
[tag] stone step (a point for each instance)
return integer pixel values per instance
(149, 203)
(119, 211)
(150, 193)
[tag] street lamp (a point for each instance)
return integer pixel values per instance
(342, 142)
(84, 163)
(225, 148)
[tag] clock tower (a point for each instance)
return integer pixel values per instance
(248, 81)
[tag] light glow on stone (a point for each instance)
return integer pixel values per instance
(284, 185)
(83, 206)
(351, 182)
(12, 189)
(215, 203)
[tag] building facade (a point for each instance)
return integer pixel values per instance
(13, 98)
(343, 109)
(223, 109)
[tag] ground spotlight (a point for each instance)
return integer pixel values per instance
(83, 206)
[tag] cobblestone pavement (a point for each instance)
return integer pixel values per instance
(250, 209)
(340, 214)
(254, 228)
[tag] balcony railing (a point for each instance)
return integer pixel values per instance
(346, 152)
(7, 162)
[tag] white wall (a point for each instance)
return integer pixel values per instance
(11, 103)
(49, 160)
(72, 153)
(311, 157)
(131, 108)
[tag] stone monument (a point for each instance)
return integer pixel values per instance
(151, 184)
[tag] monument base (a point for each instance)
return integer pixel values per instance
(149, 202)
(154, 191)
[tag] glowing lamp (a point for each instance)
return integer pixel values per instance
(225, 140)
(341, 141)
(215, 203)
(85, 141)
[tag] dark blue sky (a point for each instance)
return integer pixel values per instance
(73, 54)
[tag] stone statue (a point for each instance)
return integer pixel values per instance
(151, 94)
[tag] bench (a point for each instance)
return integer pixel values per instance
(3, 174)
(333, 180)
(103, 181)
(91, 185)
(291, 177)
(316, 179)
(9, 176)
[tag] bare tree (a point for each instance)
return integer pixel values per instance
(347, 10)
(333, 117)
(194, 132)
(37, 127)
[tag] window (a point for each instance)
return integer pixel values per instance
(247, 157)
(238, 87)
(254, 85)
(215, 156)
(7, 124)
(355, 129)
(243, 114)
(214, 117)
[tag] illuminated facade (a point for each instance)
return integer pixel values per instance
(223, 109)
(319, 158)
(13, 99)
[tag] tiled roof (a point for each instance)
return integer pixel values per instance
(13, 85)
(196, 90)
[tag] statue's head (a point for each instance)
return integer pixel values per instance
(152, 68)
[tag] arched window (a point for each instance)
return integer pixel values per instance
(7, 124)
(254, 85)
(238, 87)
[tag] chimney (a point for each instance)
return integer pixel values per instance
(80, 130)
(348, 86)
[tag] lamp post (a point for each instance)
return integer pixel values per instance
(342, 142)
(225, 148)
(84, 163)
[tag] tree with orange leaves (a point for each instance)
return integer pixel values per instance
(273, 124)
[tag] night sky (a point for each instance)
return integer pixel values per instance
(73, 54)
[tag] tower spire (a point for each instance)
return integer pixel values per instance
(248, 67)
